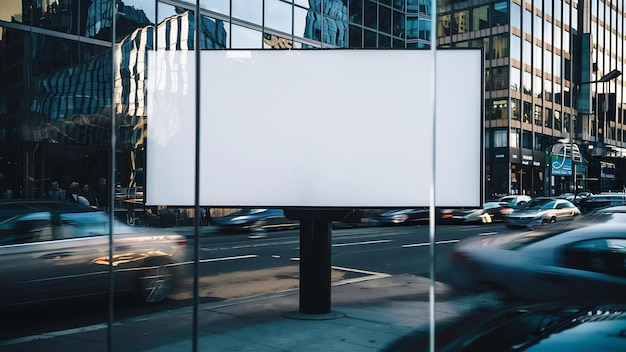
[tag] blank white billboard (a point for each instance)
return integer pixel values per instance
(315, 128)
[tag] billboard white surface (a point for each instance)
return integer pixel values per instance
(315, 128)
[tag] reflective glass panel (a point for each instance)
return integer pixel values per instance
(370, 14)
(480, 17)
(248, 10)
(245, 38)
(278, 15)
(221, 6)
(384, 19)
(12, 12)
(299, 21)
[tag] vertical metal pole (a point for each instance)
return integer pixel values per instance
(196, 248)
(315, 276)
(111, 184)
(571, 150)
(432, 210)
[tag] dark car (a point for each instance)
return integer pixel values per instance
(490, 212)
(545, 327)
(53, 250)
(254, 220)
(582, 260)
(406, 216)
(603, 200)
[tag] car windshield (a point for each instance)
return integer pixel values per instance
(539, 204)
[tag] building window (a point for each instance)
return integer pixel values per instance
(500, 78)
(548, 90)
(538, 27)
(528, 84)
(515, 80)
(528, 21)
(499, 109)
(547, 62)
(537, 56)
(548, 118)
(527, 51)
(539, 142)
(370, 14)
(516, 48)
(528, 110)
(249, 10)
(480, 18)
(558, 124)
(500, 139)
(547, 32)
(500, 13)
(515, 111)
(537, 88)
(538, 116)
(527, 139)
(514, 139)
(516, 15)
(500, 46)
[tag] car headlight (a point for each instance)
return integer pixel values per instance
(400, 218)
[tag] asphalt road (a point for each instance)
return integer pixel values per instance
(233, 266)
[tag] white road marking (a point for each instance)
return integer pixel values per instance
(428, 243)
(228, 258)
(360, 243)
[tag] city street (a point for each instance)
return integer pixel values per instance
(233, 266)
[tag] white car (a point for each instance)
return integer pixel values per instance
(515, 200)
(541, 211)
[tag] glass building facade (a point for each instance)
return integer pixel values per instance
(61, 89)
(547, 66)
(73, 102)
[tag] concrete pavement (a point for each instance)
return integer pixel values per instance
(375, 313)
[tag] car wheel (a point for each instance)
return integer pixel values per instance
(155, 283)
(258, 226)
(552, 220)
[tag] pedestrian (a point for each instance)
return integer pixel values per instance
(73, 195)
(101, 194)
(55, 192)
(85, 191)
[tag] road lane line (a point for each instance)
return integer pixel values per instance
(428, 243)
(360, 243)
(358, 271)
(249, 256)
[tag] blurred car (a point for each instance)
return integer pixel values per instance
(490, 212)
(514, 201)
(575, 198)
(53, 250)
(545, 327)
(578, 261)
(602, 200)
(408, 216)
(541, 211)
(254, 220)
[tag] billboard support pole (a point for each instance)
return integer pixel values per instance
(315, 261)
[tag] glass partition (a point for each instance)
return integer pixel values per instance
(74, 124)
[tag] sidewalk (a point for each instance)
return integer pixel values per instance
(370, 315)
